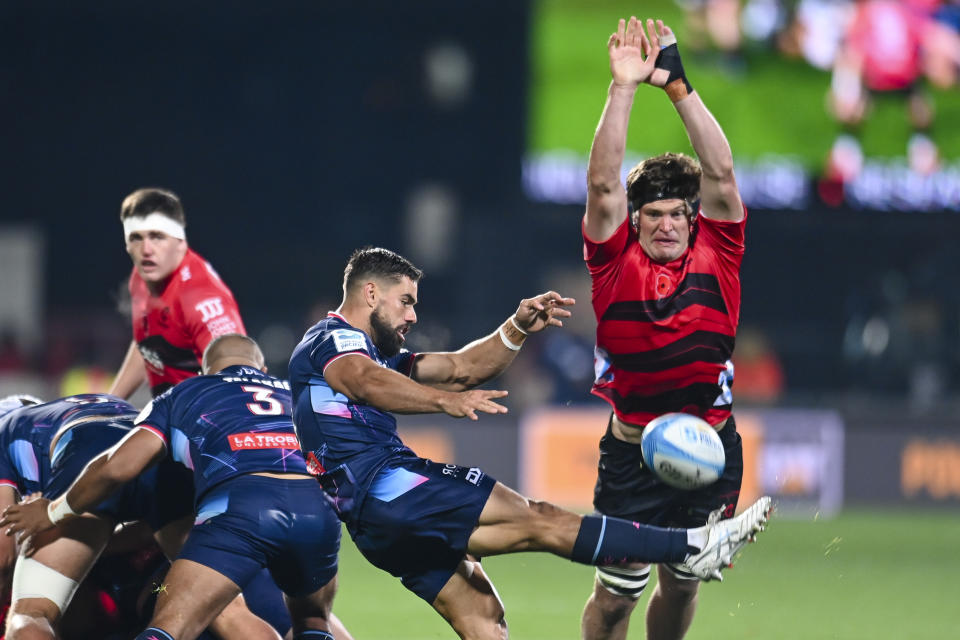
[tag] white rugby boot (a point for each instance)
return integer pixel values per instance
(724, 538)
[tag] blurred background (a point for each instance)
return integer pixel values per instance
(457, 134)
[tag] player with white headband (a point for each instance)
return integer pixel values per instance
(179, 303)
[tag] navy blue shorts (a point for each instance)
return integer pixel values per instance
(251, 522)
(417, 519)
(158, 496)
(627, 489)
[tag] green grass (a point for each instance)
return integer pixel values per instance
(862, 575)
(774, 106)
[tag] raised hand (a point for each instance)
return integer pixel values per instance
(632, 54)
(542, 311)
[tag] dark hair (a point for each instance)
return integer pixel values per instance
(379, 263)
(671, 175)
(143, 202)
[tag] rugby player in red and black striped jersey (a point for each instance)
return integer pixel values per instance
(664, 256)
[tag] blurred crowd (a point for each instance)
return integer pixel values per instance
(873, 49)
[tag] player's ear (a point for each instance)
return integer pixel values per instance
(370, 293)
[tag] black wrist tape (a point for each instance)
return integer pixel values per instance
(677, 87)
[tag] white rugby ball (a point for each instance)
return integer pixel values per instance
(683, 451)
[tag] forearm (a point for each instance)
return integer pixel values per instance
(485, 358)
(707, 138)
(610, 140)
(390, 391)
(131, 375)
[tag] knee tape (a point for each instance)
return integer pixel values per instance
(32, 579)
(622, 581)
(680, 571)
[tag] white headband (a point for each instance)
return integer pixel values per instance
(153, 222)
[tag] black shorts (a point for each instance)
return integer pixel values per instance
(627, 489)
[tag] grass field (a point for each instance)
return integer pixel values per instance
(864, 575)
(771, 105)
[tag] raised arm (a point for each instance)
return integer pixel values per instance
(123, 462)
(632, 60)
(131, 374)
(487, 357)
(442, 382)
(719, 196)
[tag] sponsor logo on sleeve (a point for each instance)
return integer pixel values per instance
(263, 441)
(210, 308)
(221, 325)
(349, 340)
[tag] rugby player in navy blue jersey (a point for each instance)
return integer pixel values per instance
(256, 504)
(427, 522)
(43, 446)
(666, 294)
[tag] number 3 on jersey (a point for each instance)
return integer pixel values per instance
(264, 403)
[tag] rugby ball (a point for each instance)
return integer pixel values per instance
(683, 451)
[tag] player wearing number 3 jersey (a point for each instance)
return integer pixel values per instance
(256, 505)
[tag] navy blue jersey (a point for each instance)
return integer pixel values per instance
(26, 433)
(352, 438)
(226, 425)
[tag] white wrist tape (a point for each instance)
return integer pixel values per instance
(61, 511)
(153, 222)
(507, 343)
(516, 326)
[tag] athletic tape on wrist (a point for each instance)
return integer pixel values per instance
(677, 87)
(59, 512)
(517, 326)
(507, 343)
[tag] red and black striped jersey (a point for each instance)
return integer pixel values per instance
(665, 332)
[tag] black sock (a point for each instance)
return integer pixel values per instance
(604, 540)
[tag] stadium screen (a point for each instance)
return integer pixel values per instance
(807, 126)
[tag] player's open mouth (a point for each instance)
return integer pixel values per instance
(402, 333)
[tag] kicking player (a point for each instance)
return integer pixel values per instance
(427, 522)
(666, 293)
(179, 303)
(257, 506)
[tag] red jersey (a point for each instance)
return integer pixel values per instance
(665, 332)
(888, 36)
(174, 328)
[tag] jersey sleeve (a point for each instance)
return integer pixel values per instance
(209, 310)
(156, 418)
(337, 343)
(723, 236)
(599, 254)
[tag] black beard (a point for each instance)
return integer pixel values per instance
(384, 337)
